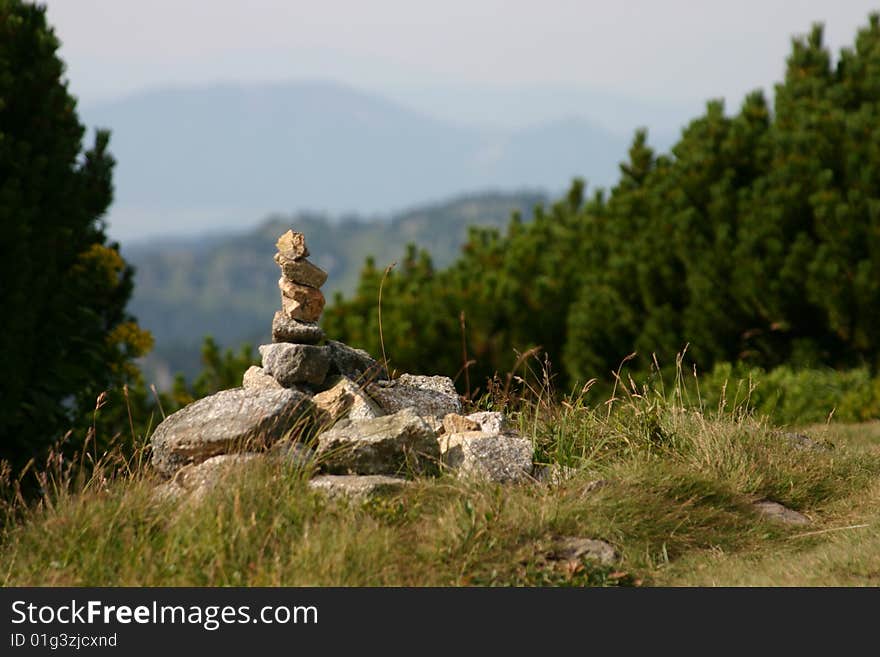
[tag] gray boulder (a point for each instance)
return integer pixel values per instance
(490, 421)
(402, 443)
(494, 457)
(291, 364)
(285, 329)
(431, 395)
(196, 480)
(357, 487)
(234, 420)
(355, 364)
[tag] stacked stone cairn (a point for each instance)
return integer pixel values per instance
(332, 410)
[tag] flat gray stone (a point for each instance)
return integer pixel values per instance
(490, 421)
(776, 511)
(230, 421)
(355, 364)
(430, 395)
(494, 457)
(402, 443)
(803, 442)
(357, 487)
(291, 364)
(285, 329)
(574, 548)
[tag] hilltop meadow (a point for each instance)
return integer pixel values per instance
(670, 485)
(691, 355)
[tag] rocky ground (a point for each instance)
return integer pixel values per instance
(333, 409)
(322, 469)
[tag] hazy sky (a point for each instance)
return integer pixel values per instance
(620, 64)
(652, 49)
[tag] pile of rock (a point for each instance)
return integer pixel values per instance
(368, 434)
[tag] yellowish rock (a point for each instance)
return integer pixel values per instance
(292, 245)
(346, 399)
(302, 271)
(455, 423)
(301, 302)
(255, 377)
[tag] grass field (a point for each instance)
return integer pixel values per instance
(675, 499)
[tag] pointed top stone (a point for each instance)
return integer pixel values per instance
(292, 245)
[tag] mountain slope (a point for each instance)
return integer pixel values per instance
(280, 146)
(191, 159)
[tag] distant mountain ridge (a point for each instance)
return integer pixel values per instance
(327, 159)
(226, 284)
(192, 158)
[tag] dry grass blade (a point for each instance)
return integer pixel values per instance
(381, 333)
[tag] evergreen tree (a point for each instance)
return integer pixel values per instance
(842, 275)
(756, 239)
(63, 289)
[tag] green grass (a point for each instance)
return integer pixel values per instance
(792, 395)
(676, 504)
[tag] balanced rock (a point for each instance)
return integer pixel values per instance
(357, 487)
(256, 378)
(301, 271)
(301, 302)
(290, 364)
(345, 399)
(355, 364)
(285, 329)
(431, 395)
(234, 420)
(292, 245)
(494, 457)
(394, 444)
